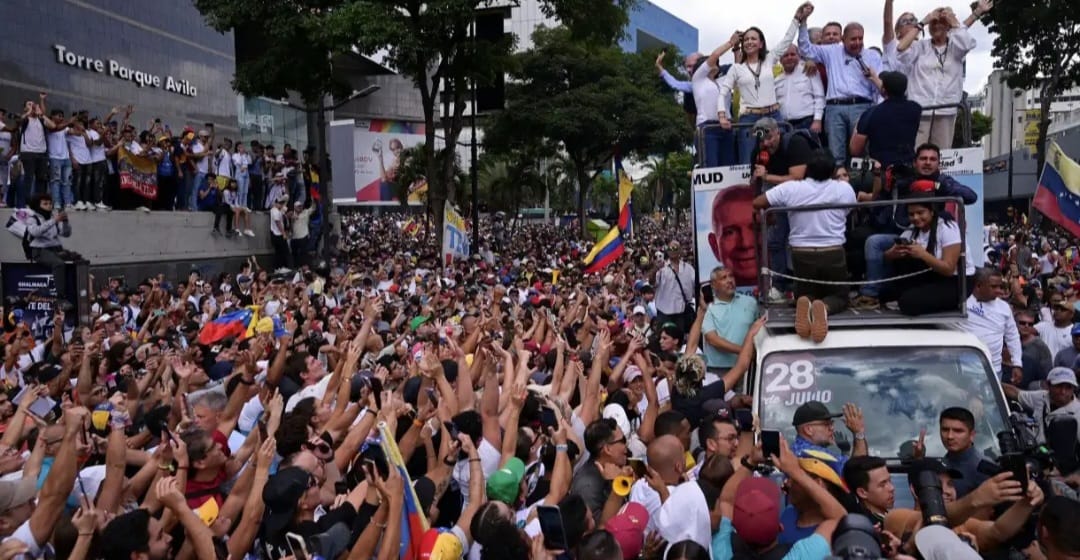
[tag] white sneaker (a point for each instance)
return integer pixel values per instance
(249, 233)
(776, 296)
(77, 206)
(90, 207)
(102, 206)
(144, 209)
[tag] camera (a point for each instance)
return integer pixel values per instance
(931, 499)
(855, 538)
(759, 133)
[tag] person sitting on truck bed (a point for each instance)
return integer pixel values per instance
(817, 243)
(933, 242)
(927, 181)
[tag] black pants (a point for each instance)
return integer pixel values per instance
(926, 293)
(99, 171)
(226, 211)
(80, 181)
(166, 194)
(282, 257)
(35, 172)
(256, 193)
(299, 251)
(829, 264)
(50, 257)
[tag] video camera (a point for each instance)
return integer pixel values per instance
(856, 538)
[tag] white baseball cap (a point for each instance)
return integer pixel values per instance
(639, 309)
(1060, 375)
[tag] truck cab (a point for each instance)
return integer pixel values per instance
(902, 377)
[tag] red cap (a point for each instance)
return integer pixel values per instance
(628, 528)
(757, 511)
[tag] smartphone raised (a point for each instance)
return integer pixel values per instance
(1017, 465)
(770, 443)
(551, 525)
(707, 294)
(297, 545)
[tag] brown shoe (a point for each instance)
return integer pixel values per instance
(819, 325)
(865, 303)
(802, 317)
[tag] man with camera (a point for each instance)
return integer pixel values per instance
(932, 485)
(1056, 403)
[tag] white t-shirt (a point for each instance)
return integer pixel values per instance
(58, 148)
(489, 462)
(241, 162)
(224, 164)
(1056, 339)
(1046, 264)
(97, 153)
(663, 395)
(317, 390)
(78, 149)
(643, 494)
(202, 165)
(948, 234)
(277, 217)
(33, 137)
(817, 228)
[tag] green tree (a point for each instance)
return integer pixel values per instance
(425, 41)
(981, 125)
(591, 99)
(1037, 45)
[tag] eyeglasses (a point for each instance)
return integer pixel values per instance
(1026, 323)
(621, 440)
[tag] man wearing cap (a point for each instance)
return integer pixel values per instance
(813, 423)
(1059, 332)
(640, 319)
(301, 221)
(291, 497)
(1056, 402)
(750, 508)
(727, 320)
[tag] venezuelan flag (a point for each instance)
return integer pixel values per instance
(414, 522)
(234, 324)
(1058, 194)
(626, 191)
(607, 251)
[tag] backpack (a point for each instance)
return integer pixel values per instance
(812, 139)
(18, 225)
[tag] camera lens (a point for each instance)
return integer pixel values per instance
(931, 500)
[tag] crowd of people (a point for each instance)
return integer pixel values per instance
(384, 403)
(76, 159)
(514, 386)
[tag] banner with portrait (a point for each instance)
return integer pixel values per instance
(378, 147)
(724, 230)
(29, 292)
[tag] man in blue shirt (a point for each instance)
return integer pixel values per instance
(727, 320)
(851, 89)
(886, 132)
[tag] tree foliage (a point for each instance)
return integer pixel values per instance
(981, 125)
(1037, 46)
(591, 100)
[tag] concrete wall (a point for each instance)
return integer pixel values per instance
(155, 240)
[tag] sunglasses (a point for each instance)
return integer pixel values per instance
(1026, 323)
(321, 447)
(621, 440)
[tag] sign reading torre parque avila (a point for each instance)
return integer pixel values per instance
(117, 70)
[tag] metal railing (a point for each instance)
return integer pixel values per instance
(765, 280)
(963, 114)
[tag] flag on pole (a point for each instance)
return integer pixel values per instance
(413, 521)
(1058, 194)
(607, 251)
(626, 191)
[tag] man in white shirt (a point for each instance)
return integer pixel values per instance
(198, 153)
(1057, 334)
(817, 242)
(279, 234)
(78, 144)
(60, 161)
(675, 290)
(801, 97)
(668, 459)
(33, 151)
(224, 164)
(991, 320)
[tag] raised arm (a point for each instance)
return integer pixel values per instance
(887, 33)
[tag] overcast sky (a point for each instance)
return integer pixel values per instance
(716, 20)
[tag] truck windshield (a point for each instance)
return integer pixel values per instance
(900, 390)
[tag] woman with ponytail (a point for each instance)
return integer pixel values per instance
(932, 242)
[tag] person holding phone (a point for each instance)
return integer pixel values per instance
(728, 318)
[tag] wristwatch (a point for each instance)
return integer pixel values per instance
(860, 436)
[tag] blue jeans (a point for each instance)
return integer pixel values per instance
(746, 141)
(718, 144)
(193, 195)
(802, 124)
(243, 180)
(877, 267)
(60, 182)
(840, 121)
(777, 243)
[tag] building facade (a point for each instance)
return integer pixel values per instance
(94, 55)
(1014, 113)
(652, 27)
